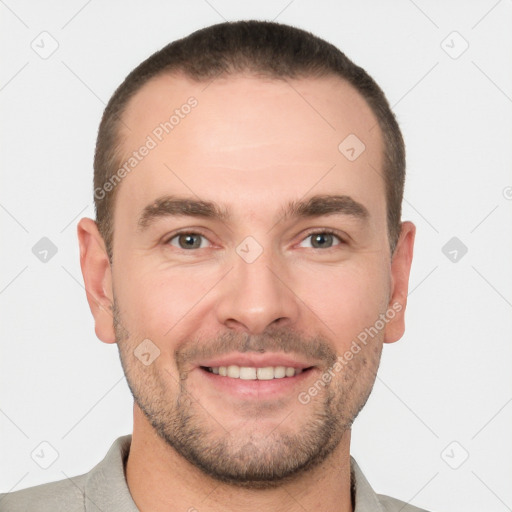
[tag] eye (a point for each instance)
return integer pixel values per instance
(187, 241)
(323, 239)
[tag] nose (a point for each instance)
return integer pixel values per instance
(255, 295)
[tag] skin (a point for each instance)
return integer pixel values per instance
(251, 145)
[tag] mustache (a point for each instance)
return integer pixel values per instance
(312, 348)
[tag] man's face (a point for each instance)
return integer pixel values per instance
(255, 288)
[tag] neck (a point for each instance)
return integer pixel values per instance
(161, 480)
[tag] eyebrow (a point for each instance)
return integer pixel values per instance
(316, 206)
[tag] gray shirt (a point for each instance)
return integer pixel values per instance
(104, 489)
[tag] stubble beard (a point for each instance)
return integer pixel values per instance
(250, 459)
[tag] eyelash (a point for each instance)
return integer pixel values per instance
(309, 234)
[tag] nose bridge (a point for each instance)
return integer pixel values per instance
(253, 295)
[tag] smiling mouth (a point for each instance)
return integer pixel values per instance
(255, 373)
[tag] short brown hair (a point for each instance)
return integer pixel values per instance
(266, 49)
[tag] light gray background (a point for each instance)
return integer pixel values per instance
(447, 380)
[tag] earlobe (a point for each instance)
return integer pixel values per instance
(97, 276)
(400, 271)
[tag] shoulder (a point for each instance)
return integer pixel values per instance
(389, 504)
(367, 499)
(103, 488)
(67, 494)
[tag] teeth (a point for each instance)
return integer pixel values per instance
(290, 372)
(233, 371)
(250, 373)
(279, 372)
(247, 373)
(266, 373)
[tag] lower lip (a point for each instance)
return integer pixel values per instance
(258, 389)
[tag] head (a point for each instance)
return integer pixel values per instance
(248, 186)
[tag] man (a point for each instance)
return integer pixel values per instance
(249, 260)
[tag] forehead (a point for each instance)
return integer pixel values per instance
(244, 138)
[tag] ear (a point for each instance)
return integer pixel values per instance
(97, 278)
(400, 270)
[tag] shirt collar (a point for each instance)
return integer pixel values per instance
(365, 498)
(106, 487)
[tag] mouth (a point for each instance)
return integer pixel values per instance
(266, 376)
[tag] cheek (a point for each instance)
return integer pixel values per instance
(158, 302)
(346, 299)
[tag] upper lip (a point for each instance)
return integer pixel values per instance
(257, 361)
